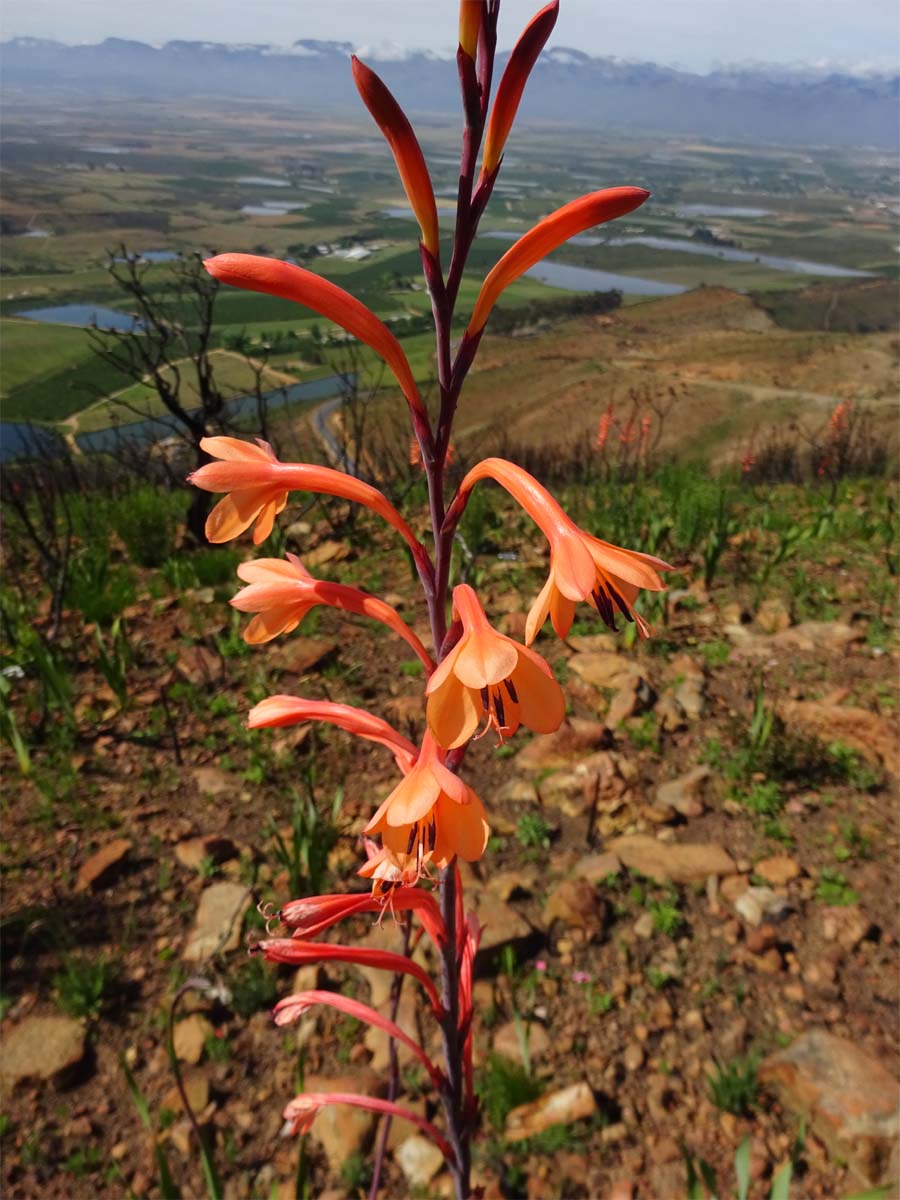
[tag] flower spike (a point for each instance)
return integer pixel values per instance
(470, 17)
(407, 152)
(487, 673)
(301, 1113)
(290, 282)
(509, 93)
(277, 711)
(282, 592)
(538, 242)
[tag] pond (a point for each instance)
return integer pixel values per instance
(796, 266)
(83, 315)
(719, 210)
(263, 181)
(272, 208)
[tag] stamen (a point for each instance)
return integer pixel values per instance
(620, 603)
(498, 704)
(432, 833)
(413, 834)
(604, 607)
(485, 699)
(508, 684)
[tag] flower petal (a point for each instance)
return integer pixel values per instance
(631, 565)
(542, 705)
(485, 659)
(272, 621)
(462, 829)
(538, 612)
(233, 514)
(452, 714)
(562, 613)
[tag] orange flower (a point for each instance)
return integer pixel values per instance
(290, 282)
(582, 567)
(431, 816)
(258, 485)
(487, 675)
(515, 76)
(537, 243)
(392, 122)
(282, 592)
(275, 712)
(470, 15)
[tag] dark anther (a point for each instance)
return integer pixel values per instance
(508, 683)
(620, 604)
(485, 699)
(498, 704)
(385, 886)
(432, 833)
(604, 607)
(413, 834)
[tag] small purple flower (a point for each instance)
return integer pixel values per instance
(540, 965)
(581, 977)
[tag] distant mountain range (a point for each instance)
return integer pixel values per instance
(782, 104)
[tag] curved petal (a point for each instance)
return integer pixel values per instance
(236, 449)
(272, 621)
(234, 513)
(267, 570)
(539, 611)
(485, 659)
(448, 783)
(562, 613)
(413, 797)
(542, 705)
(538, 242)
(452, 714)
(631, 565)
(462, 829)
(275, 278)
(572, 566)
(443, 670)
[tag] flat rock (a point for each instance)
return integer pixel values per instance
(190, 1038)
(41, 1048)
(213, 781)
(851, 1100)
(683, 793)
(194, 852)
(603, 669)
(596, 868)
(778, 870)
(502, 924)
(672, 861)
(564, 1107)
(575, 903)
(506, 884)
(508, 1041)
(758, 904)
(689, 697)
(199, 666)
(845, 924)
(326, 552)
(196, 1086)
(100, 868)
(217, 926)
(419, 1159)
(300, 655)
(874, 736)
(571, 743)
(773, 615)
(340, 1129)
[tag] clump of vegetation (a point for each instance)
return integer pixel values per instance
(735, 1085)
(502, 1086)
(84, 985)
(253, 988)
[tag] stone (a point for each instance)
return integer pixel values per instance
(217, 925)
(847, 925)
(506, 884)
(419, 1159)
(502, 925)
(100, 868)
(570, 744)
(190, 1038)
(196, 1086)
(563, 1107)
(41, 1048)
(300, 655)
(689, 697)
(596, 868)
(508, 1041)
(576, 904)
(682, 793)
(340, 1129)
(673, 862)
(778, 870)
(633, 1058)
(872, 735)
(758, 941)
(213, 781)
(634, 697)
(773, 615)
(850, 1098)
(603, 669)
(326, 552)
(200, 666)
(758, 904)
(193, 853)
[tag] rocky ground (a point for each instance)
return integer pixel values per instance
(689, 902)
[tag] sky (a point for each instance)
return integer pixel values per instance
(694, 34)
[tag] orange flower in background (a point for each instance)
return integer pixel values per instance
(398, 132)
(487, 676)
(290, 282)
(537, 243)
(582, 567)
(282, 592)
(509, 93)
(431, 816)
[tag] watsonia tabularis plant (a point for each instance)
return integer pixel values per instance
(475, 676)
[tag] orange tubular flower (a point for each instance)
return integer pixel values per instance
(509, 93)
(470, 14)
(432, 816)
(258, 486)
(282, 592)
(407, 152)
(582, 567)
(290, 282)
(491, 676)
(537, 243)
(277, 711)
